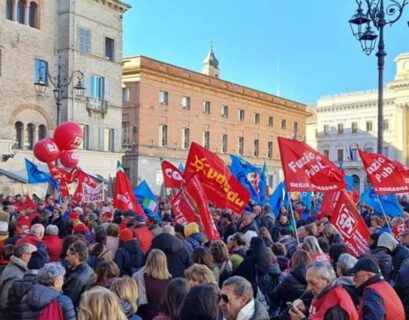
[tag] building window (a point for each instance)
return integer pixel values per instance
(186, 138)
(354, 127)
(241, 115)
(270, 150)
(283, 124)
(340, 128)
(41, 71)
(241, 146)
(385, 125)
(186, 103)
(295, 128)
(326, 129)
(30, 136)
(97, 87)
(270, 121)
(163, 97)
(163, 135)
(21, 11)
(270, 179)
(85, 137)
(125, 133)
(19, 127)
(125, 94)
(84, 40)
(42, 132)
(206, 107)
(33, 15)
(224, 143)
(225, 111)
(326, 153)
(256, 118)
(368, 149)
(108, 139)
(109, 49)
(340, 153)
(368, 126)
(206, 139)
(256, 148)
(9, 9)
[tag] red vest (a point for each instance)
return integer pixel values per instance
(391, 301)
(335, 297)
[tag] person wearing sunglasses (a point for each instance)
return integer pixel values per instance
(236, 301)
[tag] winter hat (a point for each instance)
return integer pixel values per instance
(191, 228)
(80, 228)
(74, 215)
(126, 235)
(365, 264)
(386, 240)
(79, 210)
(248, 236)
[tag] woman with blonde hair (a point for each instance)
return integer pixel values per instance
(126, 290)
(199, 274)
(152, 280)
(99, 303)
(315, 251)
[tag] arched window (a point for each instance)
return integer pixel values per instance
(19, 135)
(42, 131)
(21, 11)
(30, 136)
(357, 183)
(33, 15)
(9, 9)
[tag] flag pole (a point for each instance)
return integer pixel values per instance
(383, 212)
(293, 218)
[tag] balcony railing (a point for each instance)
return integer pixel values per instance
(97, 105)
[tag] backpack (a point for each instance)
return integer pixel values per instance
(52, 311)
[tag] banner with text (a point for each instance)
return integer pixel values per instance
(386, 176)
(172, 177)
(306, 169)
(92, 194)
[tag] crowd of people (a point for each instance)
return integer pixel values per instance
(93, 262)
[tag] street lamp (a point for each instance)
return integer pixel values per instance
(379, 16)
(60, 82)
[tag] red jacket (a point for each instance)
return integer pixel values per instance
(54, 247)
(144, 237)
(391, 301)
(337, 296)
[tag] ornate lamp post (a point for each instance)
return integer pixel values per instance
(60, 82)
(376, 15)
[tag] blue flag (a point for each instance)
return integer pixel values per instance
(306, 200)
(278, 198)
(35, 175)
(349, 180)
(240, 168)
(263, 185)
(389, 203)
(181, 167)
(146, 198)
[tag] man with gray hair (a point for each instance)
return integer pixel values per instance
(52, 242)
(330, 301)
(35, 237)
(15, 269)
(237, 302)
(345, 280)
(29, 304)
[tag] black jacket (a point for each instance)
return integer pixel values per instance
(28, 305)
(129, 257)
(176, 254)
(399, 254)
(384, 261)
(402, 286)
(77, 280)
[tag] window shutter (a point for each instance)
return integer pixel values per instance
(106, 89)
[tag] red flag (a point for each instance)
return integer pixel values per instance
(348, 221)
(172, 176)
(124, 198)
(306, 169)
(182, 208)
(62, 177)
(82, 178)
(218, 183)
(329, 202)
(29, 203)
(386, 176)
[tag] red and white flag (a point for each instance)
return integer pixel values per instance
(172, 177)
(217, 181)
(349, 222)
(124, 198)
(305, 169)
(386, 176)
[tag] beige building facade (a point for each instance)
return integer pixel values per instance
(167, 107)
(79, 40)
(342, 123)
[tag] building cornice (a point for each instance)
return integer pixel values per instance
(115, 5)
(140, 65)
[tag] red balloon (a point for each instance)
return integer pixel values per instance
(69, 159)
(68, 135)
(46, 150)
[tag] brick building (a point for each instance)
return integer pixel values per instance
(36, 38)
(167, 107)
